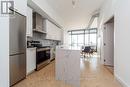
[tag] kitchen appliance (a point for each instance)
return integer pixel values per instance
(29, 45)
(37, 44)
(42, 57)
(38, 22)
(17, 47)
(53, 53)
(42, 54)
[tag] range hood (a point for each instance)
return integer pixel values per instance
(38, 23)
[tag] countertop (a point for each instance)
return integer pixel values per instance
(31, 47)
(69, 48)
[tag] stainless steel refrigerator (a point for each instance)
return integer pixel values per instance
(17, 48)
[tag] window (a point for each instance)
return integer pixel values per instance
(74, 40)
(85, 37)
(94, 24)
(70, 39)
(93, 39)
(78, 32)
(78, 38)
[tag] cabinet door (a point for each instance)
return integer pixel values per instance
(58, 34)
(31, 60)
(53, 32)
(20, 6)
(49, 30)
(29, 22)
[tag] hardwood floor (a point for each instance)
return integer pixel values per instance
(110, 68)
(92, 75)
(96, 75)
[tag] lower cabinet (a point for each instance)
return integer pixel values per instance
(31, 60)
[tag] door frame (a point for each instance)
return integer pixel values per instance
(110, 20)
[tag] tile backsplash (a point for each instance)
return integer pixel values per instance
(41, 38)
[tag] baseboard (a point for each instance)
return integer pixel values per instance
(29, 73)
(121, 81)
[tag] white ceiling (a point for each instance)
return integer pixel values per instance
(77, 17)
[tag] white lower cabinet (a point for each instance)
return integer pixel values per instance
(31, 60)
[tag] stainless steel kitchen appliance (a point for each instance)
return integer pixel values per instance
(42, 57)
(53, 49)
(17, 48)
(42, 54)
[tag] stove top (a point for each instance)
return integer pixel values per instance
(43, 47)
(36, 44)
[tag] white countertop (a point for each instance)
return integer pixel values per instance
(31, 48)
(69, 48)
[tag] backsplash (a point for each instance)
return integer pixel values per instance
(41, 38)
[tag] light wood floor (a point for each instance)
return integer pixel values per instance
(92, 75)
(110, 68)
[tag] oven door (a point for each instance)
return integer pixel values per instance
(43, 58)
(47, 54)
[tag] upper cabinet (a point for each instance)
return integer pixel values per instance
(29, 22)
(20, 6)
(53, 32)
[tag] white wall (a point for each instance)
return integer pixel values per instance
(118, 8)
(65, 37)
(20, 6)
(4, 42)
(4, 52)
(49, 10)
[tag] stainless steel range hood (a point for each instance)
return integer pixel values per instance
(38, 23)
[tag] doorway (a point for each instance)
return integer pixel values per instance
(108, 40)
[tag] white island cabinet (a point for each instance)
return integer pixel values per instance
(68, 65)
(31, 60)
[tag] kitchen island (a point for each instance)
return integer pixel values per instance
(68, 65)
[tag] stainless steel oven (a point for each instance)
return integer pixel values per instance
(42, 57)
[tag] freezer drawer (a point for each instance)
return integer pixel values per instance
(17, 68)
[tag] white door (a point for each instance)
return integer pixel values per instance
(108, 38)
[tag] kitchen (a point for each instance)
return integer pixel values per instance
(42, 37)
(43, 40)
(38, 37)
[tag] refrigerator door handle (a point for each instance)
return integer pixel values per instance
(16, 54)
